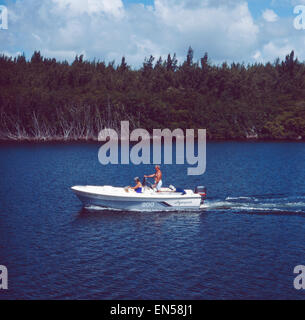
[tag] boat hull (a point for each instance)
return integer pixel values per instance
(141, 203)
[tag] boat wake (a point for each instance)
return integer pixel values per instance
(272, 203)
(98, 208)
(260, 204)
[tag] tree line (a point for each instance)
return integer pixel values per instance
(46, 99)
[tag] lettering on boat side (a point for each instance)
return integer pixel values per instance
(299, 281)
(140, 153)
(182, 202)
(148, 204)
(3, 278)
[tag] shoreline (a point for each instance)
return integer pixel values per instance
(95, 141)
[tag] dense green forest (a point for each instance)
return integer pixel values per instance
(43, 99)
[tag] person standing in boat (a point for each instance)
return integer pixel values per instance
(158, 178)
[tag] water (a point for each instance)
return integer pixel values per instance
(243, 245)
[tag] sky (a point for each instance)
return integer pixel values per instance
(229, 30)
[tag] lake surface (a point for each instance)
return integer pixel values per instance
(244, 245)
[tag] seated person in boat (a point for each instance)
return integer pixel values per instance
(158, 178)
(138, 187)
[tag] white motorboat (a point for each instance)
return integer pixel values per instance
(168, 199)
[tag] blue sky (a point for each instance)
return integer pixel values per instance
(258, 6)
(229, 30)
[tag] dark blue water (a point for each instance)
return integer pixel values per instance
(244, 245)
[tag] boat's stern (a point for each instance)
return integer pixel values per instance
(202, 191)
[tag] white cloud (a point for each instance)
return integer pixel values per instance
(76, 7)
(279, 38)
(297, 2)
(63, 55)
(271, 50)
(106, 30)
(11, 54)
(217, 29)
(257, 55)
(270, 16)
(36, 36)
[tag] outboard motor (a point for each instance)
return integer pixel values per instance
(203, 193)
